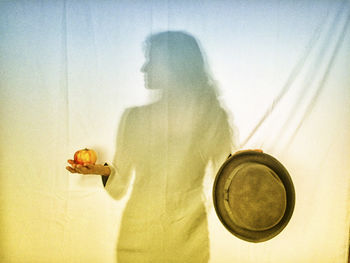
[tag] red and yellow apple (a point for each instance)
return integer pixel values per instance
(85, 156)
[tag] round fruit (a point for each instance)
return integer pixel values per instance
(85, 156)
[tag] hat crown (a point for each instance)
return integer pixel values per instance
(256, 197)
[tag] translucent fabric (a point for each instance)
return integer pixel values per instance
(164, 91)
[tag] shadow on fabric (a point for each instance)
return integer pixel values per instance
(168, 144)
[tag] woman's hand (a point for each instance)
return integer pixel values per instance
(98, 169)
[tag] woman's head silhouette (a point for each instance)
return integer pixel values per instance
(175, 64)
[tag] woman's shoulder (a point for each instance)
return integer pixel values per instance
(139, 110)
(136, 113)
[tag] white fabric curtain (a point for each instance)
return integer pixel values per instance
(71, 69)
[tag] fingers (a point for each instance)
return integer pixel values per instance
(90, 166)
(76, 168)
(72, 170)
(71, 162)
(81, 169)
(84, 169)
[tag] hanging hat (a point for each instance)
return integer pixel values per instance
(253, 196)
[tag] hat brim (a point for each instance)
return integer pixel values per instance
(219, 193)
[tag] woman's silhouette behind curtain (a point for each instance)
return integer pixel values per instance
(169, 144)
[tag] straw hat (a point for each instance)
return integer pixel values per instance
(253, 196)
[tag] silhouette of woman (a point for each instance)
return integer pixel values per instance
(168, 145)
